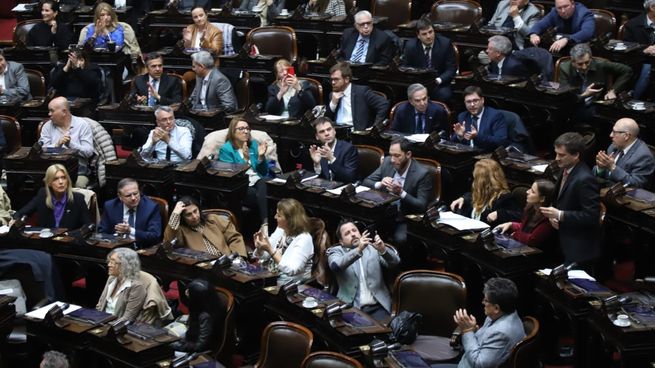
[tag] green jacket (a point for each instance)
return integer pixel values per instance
(613, 75)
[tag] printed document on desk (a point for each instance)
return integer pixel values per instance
(41, 312)
(460, 222)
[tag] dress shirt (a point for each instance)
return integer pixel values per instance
(111, 300)
(364, 295)
(81, 139)
(126, 216)
(397, 177)
(2, 82)
(59, 208)
(179, 142)
(203, 90)
(345, 113)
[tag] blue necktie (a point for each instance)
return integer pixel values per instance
(130, 218)
(428, 57)
(509, 22)
(357, 56)
(420, 123)
(151, 99)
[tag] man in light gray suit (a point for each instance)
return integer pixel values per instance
(628, 159)
(357, 264)
(519, 15)
(13, 80)
(213, 90)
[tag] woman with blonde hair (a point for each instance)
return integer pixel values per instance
(104, 29)
(202, 34)
(286, 96)
(490, 199)
(56, 205)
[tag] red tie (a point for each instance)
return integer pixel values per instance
(565, 175)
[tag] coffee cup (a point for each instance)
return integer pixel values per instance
(284, 12)
(309, 302)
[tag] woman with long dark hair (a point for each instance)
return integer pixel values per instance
(50, 32)
(205, 316)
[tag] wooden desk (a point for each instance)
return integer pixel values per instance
(520, 172)
(155, 179)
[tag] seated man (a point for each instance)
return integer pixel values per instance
(520, 15)
(573, 21)
(419, 115)
(592, 77)
(67, 131)
(187, 5)
(502, 62)
(213, 90)
(432, 51)
(403, 176)
(628, 159)
(640, 29)
(13, 80)
(132, 215)
(168, 141)
(480, 126)
(336, 159)
(357, 265)
(353, 105)
(365, 43)
(156, 87)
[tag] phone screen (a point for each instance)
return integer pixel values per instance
(291, 70)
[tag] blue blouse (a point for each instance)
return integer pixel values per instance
(117, 35)
(231, 155)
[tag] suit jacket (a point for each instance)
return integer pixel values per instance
(492, 132)
(129, 302)
(506, 207)
(40, 35)
(16, 83)
(219, 93)
(380, 47)
(367, 107)
(344, 265)
(75, 216)
(599, 72)
(579, 227)
(404, 120)
(635, 30)
(344, 167)
(170, 88)
(219, 231)
(212, 40)
(148, 220)
(443, 57)
(298, 104)
(583, 26)
(419, 185)
(530, 15)
(511, 66)
(491, 344)
(635, 168)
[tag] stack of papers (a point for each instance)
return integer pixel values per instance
(540, 168)
(573, 274)
(41, 312)
(358, 189)
(460, 222)
(418, 138)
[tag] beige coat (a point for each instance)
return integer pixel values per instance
(129, 302)
(218, 230)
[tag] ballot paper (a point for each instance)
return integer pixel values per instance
(41, 312)
(460, 222)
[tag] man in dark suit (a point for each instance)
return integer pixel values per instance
(502, 62)
(640, 29)
(364, 43)
(14, 83)
(213, 90)
(132, 215)
(419, 115)
(576, 209)
(480, 126)
(573, 21)
(335, 159)
(431, 51)
(156, 87)
(353, 105)
(403, 176)
(628, 159)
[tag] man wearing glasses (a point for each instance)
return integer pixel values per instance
(479, 126)
(132, 215)
(364, 43)
(168, 141)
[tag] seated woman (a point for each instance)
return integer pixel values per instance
(286, 96)
(489, 200)
(49, 32)
(78, 78)
(267, 9)
(202, 34)
(335, 8)
(124, 293)
(56, 205)
(240, 148)
(534, 229)
(205, 317)
(207, 233)
(290, 246)
(105, 28)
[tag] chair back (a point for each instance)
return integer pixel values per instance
(284, 344)
(329, 359)
(321, 240)
(434, 167)
(349, 5)
(525, 353)
(12, 133)
(37, 82)
(518, 134)
(275, 40)
(221, 212)
(185, 91)
(189, 77)
(163, 210)
(198, 133)
(369, 159)
(91, 203)
(621, 31)
(397, 11)
(242, 90)
(22, 29)
(226, 339)
(409, 293)
(605, 22)
(464, 12)
(314, 87)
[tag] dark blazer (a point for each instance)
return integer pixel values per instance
(493, 129)
(85, 83)
(506, 206)
(404, 119)
(511, 66)
(148, 220)
(635, 30)
(583, 25)
(344, 167)
(443, 57)
(75, 216)
(298, 104)
(579, 228)
(419, 185)
(170, 88)
(635, 168)
(600, 71)
(367, 107)
(40, 35)
(380, 48)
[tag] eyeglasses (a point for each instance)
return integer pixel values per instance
(365, 24)
(473, 101)
(619, 132)
(243, 129)
(112, 262)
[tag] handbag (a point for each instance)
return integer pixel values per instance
(404, 327)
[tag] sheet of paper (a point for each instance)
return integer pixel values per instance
(573, 274)
(419, 138)
(540, 168)
(24, 7)
(272, 117)
(460, 222)
(358, 189)
(278, 180)
(309, 178)
(41, 312)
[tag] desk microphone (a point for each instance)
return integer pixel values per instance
(64, 307)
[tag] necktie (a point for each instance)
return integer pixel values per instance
(565, 175)
(151, 99)
(509, 22)
(428, 57)
(130, 217)
(420, 122)
(168, 153)
(618, 157)
(357, 56)
(474, 123)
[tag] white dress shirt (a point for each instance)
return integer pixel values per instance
(180, 143)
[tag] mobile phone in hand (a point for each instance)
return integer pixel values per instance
(291, 71)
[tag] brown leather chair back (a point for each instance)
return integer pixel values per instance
(314, 86)
(11, 131)
(525, 353)
(242, 90)
(456, 11)
(189, 77)
(350, 4)
(163, 210)
(409, 293)
(329, 359)
(185, 92)
(275, 40)
(435, 169)
(605, 22)
(284, 344)
(223, 350)
(22, 29)
(368, 160)
(619, 34)
(37, 83)
(397, 11)
(221, 212)
(321, 239)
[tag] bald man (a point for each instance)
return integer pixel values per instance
(628, 159)
(64, 130)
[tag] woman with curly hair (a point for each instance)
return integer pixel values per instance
(124, 293)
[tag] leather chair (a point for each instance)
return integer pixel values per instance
(284, 344)
(275, 40)
(314, 86)
(189, 77)
(542, 10)
(350, 4)
(409, 294)
(397, 11)
(163, 210)
(22, 29)
(226, 339)
(621, 31)
(221, 212)
(603, 212)
(321, 239)
(369, 159)
(525, 353)
(329, 359)
(242, 90)
(392, 113)
(465, 12)
(605, 22)
(435, 169)
(185, 91)
(561, 60)
(519, 136)
(37, 83)
(91, 200)
(12, 133)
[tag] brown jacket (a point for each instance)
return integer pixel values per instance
(218, 230)
(211, 40)
(129, 302)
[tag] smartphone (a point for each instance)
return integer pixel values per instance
(291, 71)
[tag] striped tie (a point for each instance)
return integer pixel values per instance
(151, 99)
(357, 56)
